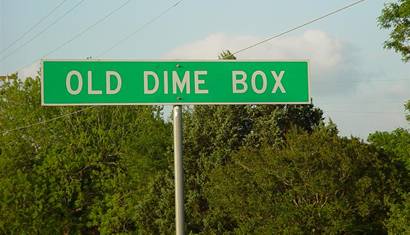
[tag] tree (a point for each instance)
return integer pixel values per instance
(397, 145)
(396, 16)
(248, 169)
(213, 132)
(314, 183)
(83, 173)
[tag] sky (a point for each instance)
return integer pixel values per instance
(359, 85)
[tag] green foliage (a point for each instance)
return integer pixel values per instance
(396, 16)
(397, 145)
(213, 133)
(82, 173)
(316, 183)
(398, 222)
(249, 169)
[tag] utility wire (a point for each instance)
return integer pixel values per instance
(84, 109)
(45, 121)
(65, 43)
(76, 36)
(310, 22)
(105, 17)
(239, 51)
(140, 28)
(298, 27)
(43, 31)
(79, 34)
(33, 27)
(401, 102)
(363, 112)
(99, 21)
(362, 81)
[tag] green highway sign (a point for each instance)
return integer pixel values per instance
(100, 82)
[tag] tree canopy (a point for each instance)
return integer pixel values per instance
(396, 16)
(82, 173)
(249, 169)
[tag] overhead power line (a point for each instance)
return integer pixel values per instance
(32, 27)
(400, 102)
(299, 26)
(364, 112)
(239, 51)
(149, 22)
(79, 34)
(105, 17)
(140, 28)
(42, 31)
(364, 80)
(45, 121)
(76, 36)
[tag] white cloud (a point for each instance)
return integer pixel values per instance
(324, 52)
(330, 59)
(341, 85)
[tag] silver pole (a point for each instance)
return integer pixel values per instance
(179, 171)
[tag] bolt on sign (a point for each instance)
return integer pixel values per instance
(100, 82)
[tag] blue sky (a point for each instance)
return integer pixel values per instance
(359, 85)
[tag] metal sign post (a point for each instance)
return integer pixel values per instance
(179, 171)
